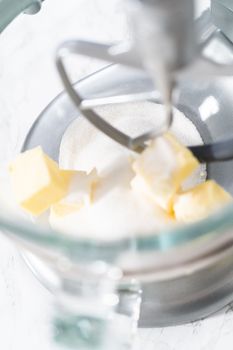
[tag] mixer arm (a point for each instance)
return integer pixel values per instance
(115, 53)
(201, 67)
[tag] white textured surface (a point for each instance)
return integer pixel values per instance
(28, 81)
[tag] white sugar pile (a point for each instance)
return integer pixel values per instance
(84, 147)
(118, 214)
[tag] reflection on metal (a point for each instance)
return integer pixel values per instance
(209, 107)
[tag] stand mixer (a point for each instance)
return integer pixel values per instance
(191, 280)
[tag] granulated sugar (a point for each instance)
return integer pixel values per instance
(118, 212)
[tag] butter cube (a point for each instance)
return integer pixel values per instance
(139, 185)
(37, 182)
(81, 192)
(201, 201)
(61, 209)
(163, 166)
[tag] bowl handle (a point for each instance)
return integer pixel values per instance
(9, 9)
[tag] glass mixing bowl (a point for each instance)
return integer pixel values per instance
(103, 289)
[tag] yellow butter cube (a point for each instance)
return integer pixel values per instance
(163, 166)
(61, 209)
(200, 202)
(139, 185)
(37, 181)
(81, 192)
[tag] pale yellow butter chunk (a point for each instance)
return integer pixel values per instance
(163, 166)
(61, 209)
(200, 202)
(37, 182)
(139, 185)
(81, 193)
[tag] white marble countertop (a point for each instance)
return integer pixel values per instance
(28, 81)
